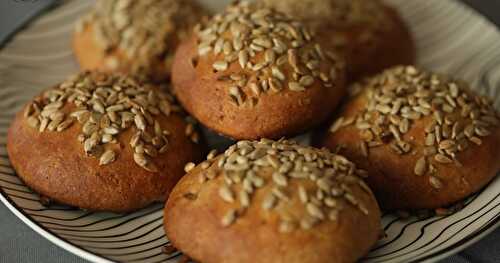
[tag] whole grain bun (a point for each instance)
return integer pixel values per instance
(261, 75)
(102, 142)
(371, 34)
(134, 36)
(425, 139)
(273, 202)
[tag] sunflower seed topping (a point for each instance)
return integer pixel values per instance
(266, 44)
(106, 105)
(188, 167)
(143, 30)
(282, 173)
(228, 218)
(454, 117)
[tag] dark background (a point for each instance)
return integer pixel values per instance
(18, 243)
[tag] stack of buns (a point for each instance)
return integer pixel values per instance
(117, 136)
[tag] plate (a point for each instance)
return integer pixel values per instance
(450, 38)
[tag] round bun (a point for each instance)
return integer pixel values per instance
(266, 201)
(426, 140)
(102, 142)
(134, 36)
(371, 34)
(253, 73)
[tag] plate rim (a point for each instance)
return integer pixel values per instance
(62, 243)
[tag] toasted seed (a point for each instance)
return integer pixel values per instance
(226, 194)
(303, 194)
(442, 158)
(269, 202)
(140, 159)
(337, 125)
(107, 157)
(435, 182)
(228, 218)
(306, 80)
(420, 166)
(243, 58)
(476, 140)
(33, 122)
(115, 108)
(189, 166)
(111, 130)
(315, 211)
(211, 155)
(308, 222)
(446, 144)
(220, 65)
(244, 199)
(430, 139)
(140, 122)
(64, 125)
(333, 215)
(280, 179)
(364, 148)
(43, 124)
(295, 86)
(286, 227)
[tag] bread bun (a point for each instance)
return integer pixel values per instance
(425, 139)
(267, 201)
(251, 73)
(102, 142)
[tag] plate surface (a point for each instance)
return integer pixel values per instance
(450, 38)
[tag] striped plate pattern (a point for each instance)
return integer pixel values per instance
(450, 37)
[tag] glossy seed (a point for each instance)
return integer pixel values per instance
(420, 166)
(228, 218)
(188, 167)
(107, 157)
(226, 194)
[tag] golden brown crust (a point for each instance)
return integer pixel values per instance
(196, 209)
(55, 165)
(392, 176)
(205, 93)
(372, 35)
(101, 40)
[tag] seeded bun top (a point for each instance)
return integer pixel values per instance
(137, 36)
(107, 141)
(434, 128)
(248, 62)
(270, 201)
(362, 30)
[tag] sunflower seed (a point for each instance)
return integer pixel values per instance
(435, 182)
(226, 194)
(269, 202)
(229, 218)
(315, 211)
(220, 65)
(189, 166)
(107, 157)
(440, 158)
(420, 166)
(280, 179)
(64, 125)
(295, 86)
(33, 122)
(286, 227)
(140, 122)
